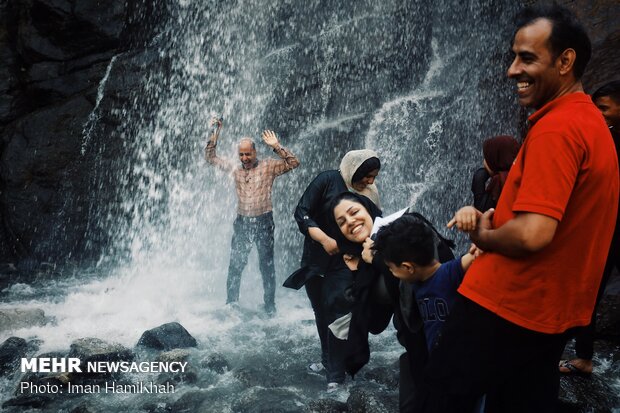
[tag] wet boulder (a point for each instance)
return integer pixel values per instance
(215, 362)
(38, 389)
(385, 375)
(326, 406)
(212, 400)
(166, 337)
(608, 323)
(93, 349)
(188, 375)
(586, 394)
(11, 352)
(370, 398)
(260, 400)
(15, 318)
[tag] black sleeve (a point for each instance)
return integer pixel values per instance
(309, 204)
(478, 188)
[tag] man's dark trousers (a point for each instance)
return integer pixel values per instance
(481, 353)
(246, 232)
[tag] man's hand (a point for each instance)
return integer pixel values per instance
(270, 138)
(216, 132)
(485, 223)
(351, 261)
(368, 254)
(216, 121)
(465, 219)
(330, 246)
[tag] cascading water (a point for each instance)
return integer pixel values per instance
(423, 85)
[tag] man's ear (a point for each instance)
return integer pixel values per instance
(566, 61)
(408, 266)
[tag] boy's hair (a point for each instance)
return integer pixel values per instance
(611, 89)
(406, 239)
(567, 33)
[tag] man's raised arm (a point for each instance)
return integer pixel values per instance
(289, 160)
(210, 154)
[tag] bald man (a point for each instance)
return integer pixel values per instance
(254, 222)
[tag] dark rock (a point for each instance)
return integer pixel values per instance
(371, 399)
(215, 362)
(214, 400)
(258, 400)
(26, 397)
(608, 323)
(11, 352)
(252, 376)
(95, 350)
(326, 406)
(166, 337)
(84, 408)
(15, 318)
(189, 376)
(386, 375)
(587, 394)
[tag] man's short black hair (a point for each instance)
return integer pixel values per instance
(611, 89)
(567, 33)
(406, 239)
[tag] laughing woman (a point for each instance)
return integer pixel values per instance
(324, 272)
(377, 293)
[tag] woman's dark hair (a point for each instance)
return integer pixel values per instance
(365, 168)
(346, 246)
(406, 239)
(566, 33)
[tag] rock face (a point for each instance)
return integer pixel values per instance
(326, 72)
(54, 54)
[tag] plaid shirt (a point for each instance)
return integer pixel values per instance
(254, 185)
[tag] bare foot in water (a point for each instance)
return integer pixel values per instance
(576, 366)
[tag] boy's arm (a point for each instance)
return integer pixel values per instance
(468, 258)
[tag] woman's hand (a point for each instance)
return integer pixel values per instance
(465, 219)
(330, 245)
(368, 254)
(351, 261)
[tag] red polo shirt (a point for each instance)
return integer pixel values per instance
(567, 169)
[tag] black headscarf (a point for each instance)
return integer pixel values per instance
(344, 245)
(365, 168)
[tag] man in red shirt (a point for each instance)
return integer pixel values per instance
(545, 244)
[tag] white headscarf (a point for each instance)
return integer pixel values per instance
(351, 161)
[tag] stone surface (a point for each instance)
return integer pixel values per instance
(94, 350)
(608, 322)
(259, 400)
(167, 337)
(15, 318)
(54, 54)
(587, 394)
(371, 399)
(326, 406)
(328, 71)
(11, 352)
(215, 362)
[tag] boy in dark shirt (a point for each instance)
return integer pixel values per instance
(408, 247)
